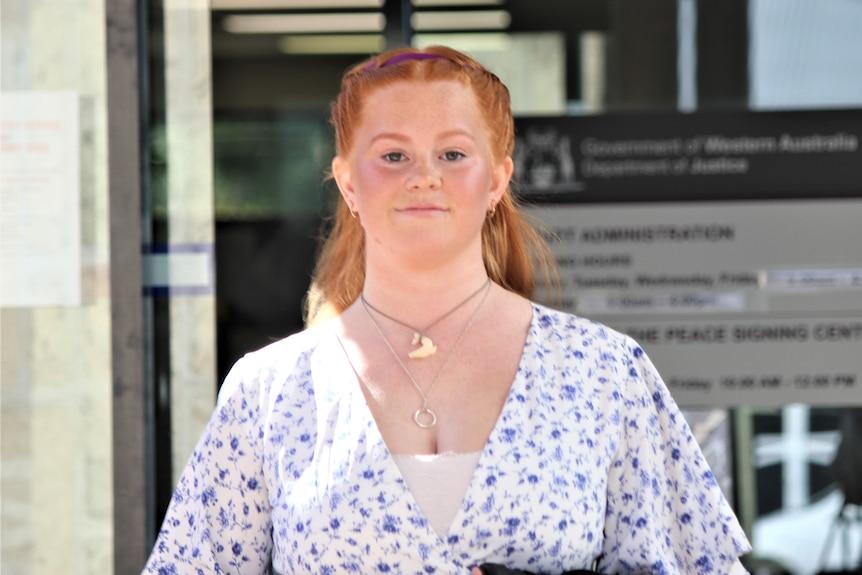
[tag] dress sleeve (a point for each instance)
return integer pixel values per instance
(218, 520)
(666, 514)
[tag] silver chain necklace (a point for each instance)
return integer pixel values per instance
(427, 347)
(425, 417)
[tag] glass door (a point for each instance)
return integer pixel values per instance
(55, 294)
(107, 313)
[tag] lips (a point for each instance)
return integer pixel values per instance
(419, 209)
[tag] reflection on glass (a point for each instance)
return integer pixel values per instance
(808, 469)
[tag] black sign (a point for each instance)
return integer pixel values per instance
(689, 157)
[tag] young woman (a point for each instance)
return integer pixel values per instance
(432, 418)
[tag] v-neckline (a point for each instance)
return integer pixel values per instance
(358, 399)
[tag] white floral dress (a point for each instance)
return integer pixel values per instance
(590, 458)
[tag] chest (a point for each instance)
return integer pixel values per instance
(443, 403)
(448, 399)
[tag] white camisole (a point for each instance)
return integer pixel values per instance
(438, 483)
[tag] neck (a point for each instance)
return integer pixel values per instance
(421, 298)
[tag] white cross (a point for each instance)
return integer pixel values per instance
(794, 448)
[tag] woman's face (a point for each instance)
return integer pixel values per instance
(420, 174)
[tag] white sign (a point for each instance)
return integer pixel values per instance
(40, 236)
(754, 303)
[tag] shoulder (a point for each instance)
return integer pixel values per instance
(287, 349)
(570, 328)
(277, 364)
(580, 349)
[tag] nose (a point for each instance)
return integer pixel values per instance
(424, 176)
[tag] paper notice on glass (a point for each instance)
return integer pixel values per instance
(40, 236)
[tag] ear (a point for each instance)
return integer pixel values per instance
(341, 174)
(500, 178)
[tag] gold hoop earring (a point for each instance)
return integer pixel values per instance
(490, 213)
(352, 213)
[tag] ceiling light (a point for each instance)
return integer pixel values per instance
(292, 4)
(464, 20)
(333, 44)
(426, 3)
(304, 23)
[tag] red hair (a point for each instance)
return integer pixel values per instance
(512, 248)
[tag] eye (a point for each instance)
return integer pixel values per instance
(394, 157)
(453, 155)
